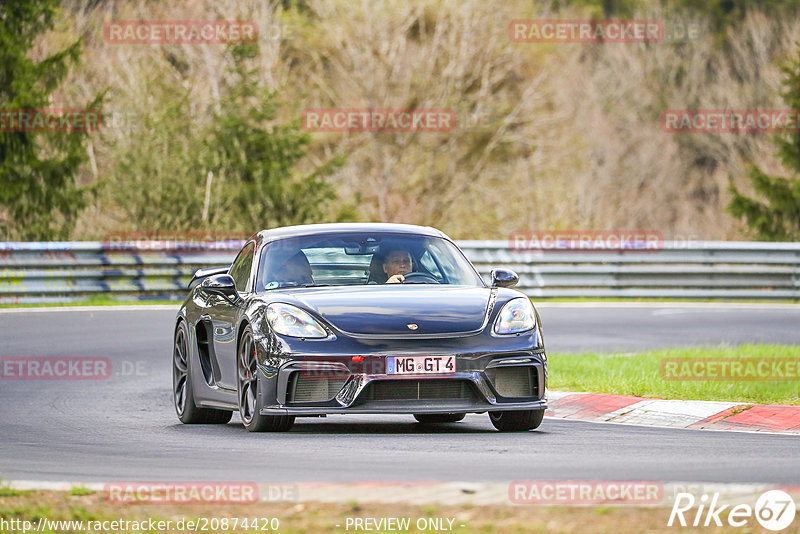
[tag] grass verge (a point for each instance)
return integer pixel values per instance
(296, 517)
(640, 374)
(100, 300)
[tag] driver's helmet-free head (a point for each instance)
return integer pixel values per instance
(397, 260)
(288, 270)
(388, 253)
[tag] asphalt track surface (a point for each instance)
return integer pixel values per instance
(125, 428)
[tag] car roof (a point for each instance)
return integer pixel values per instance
(340, 228)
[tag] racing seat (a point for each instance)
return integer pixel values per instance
(376, 274)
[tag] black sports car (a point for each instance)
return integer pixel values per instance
(356, 318)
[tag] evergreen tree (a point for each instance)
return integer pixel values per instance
(39, 198)
(776, 215)
(257, 157)
(177, 172)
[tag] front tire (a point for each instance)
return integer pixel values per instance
(432, 418)
(182, 391)
(247, 386)
(515, 421)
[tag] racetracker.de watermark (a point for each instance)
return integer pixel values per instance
(181, 492)
(165, 240)
(55, 368)
(324, 369)
(729, 369)
(683, 29)
(180, 32)
(585, 240)
(586, 31)
(69, 368)
(378, 120)
(731, 121)
(585, 492)
(50, 120)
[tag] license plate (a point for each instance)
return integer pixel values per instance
(416, 365)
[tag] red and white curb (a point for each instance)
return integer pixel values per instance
(674, 413)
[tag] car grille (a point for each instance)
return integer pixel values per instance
(314, 388)
(414, 390)
(514, 381)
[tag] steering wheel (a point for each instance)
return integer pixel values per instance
(419, 278)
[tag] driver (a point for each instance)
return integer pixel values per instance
(396, 264)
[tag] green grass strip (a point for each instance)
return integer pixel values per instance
(641, 374)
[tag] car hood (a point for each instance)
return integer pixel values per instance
(395, 309)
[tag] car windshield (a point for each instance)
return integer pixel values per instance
(362, 259)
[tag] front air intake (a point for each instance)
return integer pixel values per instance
(417, 390)
(514, 381)
(303, 389)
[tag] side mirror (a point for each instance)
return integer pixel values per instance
(504, 278)
(220, 284)
(200, 274)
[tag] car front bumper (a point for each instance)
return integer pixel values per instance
(301, 385)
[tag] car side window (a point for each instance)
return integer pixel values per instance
(240, 270)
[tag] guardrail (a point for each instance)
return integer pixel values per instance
(67, 271)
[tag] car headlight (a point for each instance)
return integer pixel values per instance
(516, 316)
(289, 320)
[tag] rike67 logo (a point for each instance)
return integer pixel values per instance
(774, 510)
